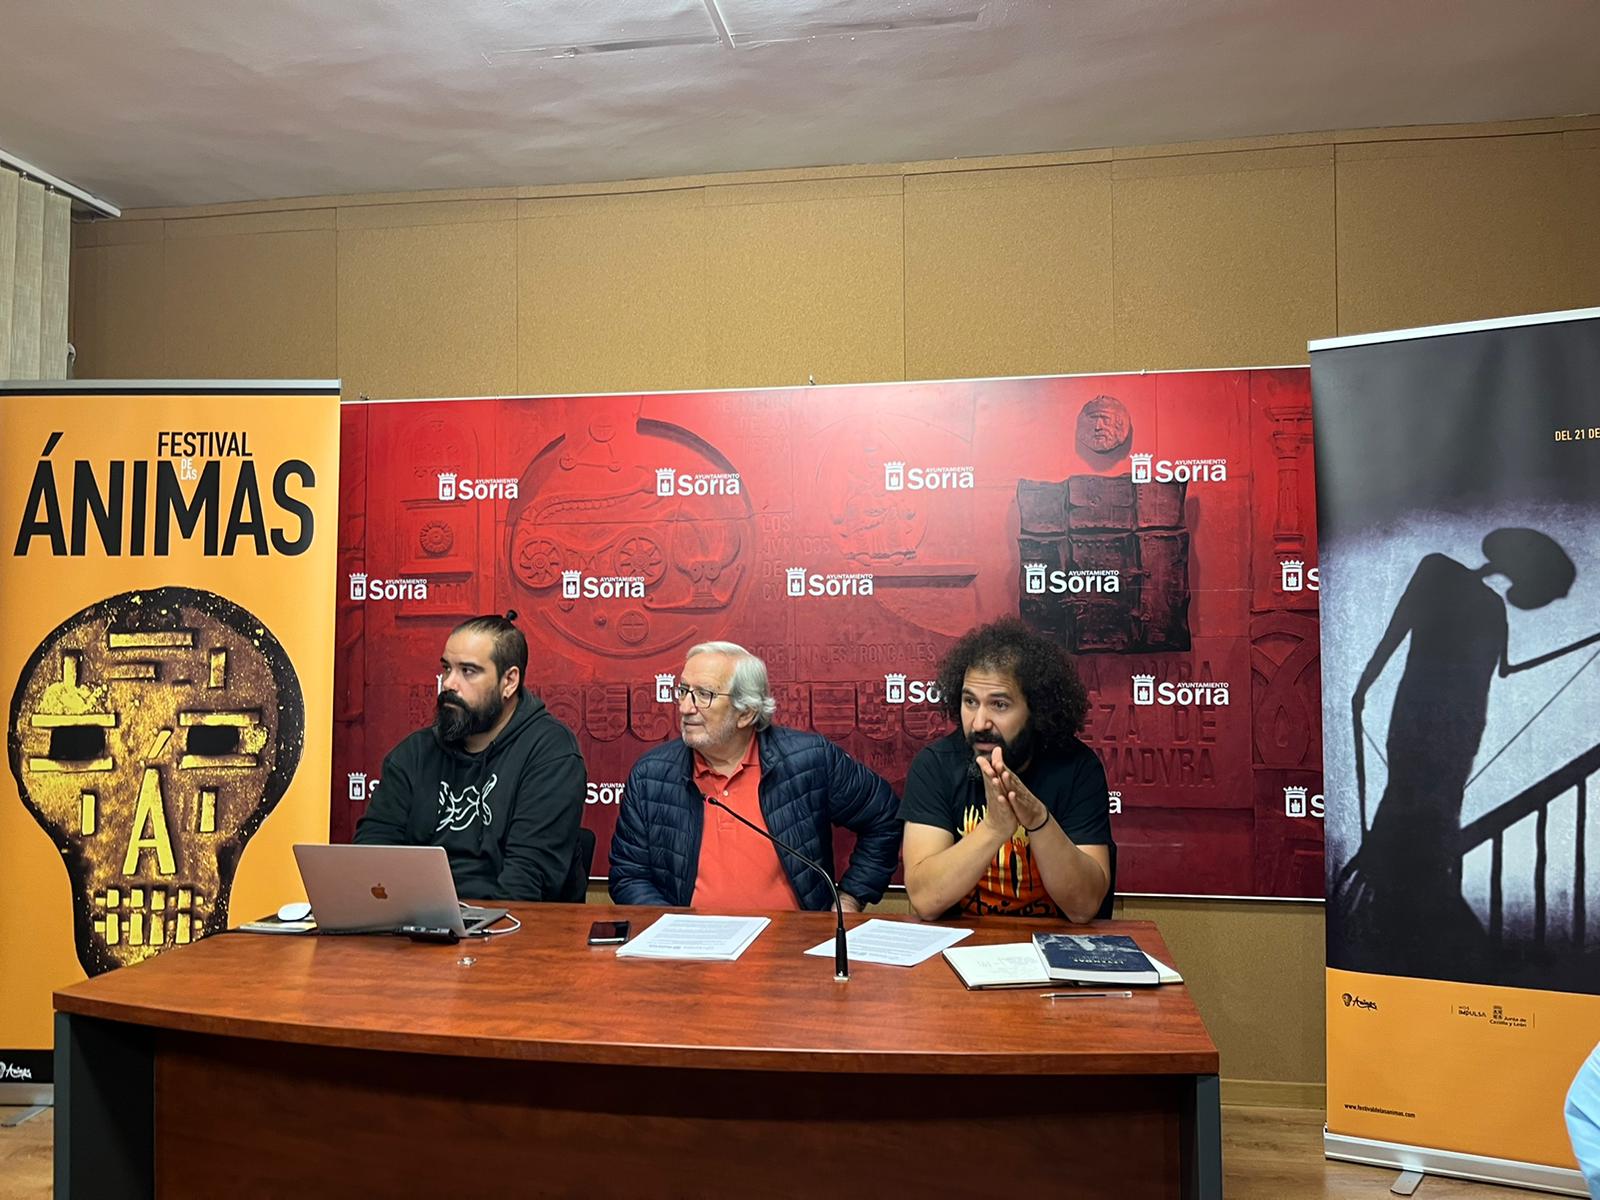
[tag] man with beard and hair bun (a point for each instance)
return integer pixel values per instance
(1008, 814)
(496, 780)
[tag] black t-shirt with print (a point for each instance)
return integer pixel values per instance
(944, 790)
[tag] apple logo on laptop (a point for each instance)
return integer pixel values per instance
(379, 893)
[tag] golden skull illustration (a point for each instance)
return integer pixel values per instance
(151, 734)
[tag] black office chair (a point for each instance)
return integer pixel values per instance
(575, 888)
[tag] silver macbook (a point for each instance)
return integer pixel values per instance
(383, 889)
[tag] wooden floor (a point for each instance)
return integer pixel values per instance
(1276, 1154)
(1267, 1154)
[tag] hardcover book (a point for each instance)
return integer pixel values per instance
(1095, 958)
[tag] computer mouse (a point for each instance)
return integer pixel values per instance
(298, 910)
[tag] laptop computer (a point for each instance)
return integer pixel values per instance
(383, 889)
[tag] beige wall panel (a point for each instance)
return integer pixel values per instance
(263, 222)
(454, 212)
(1222, 260)
(1002, 162)
(666, 200)
(1459, 230)
(1008, 272)
(116, 233)
(116, 312)
(800, 190)
(805, 287)
(428, 310)
(1583, 170)
(611, 297)
(254, 306)
(1256, 970)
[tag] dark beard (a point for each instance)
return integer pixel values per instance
(455, 721)
(1014, 753)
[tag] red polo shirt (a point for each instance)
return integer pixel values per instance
(739, 869)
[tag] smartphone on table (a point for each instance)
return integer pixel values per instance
(608, 933)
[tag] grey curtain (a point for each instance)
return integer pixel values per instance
(35, 241)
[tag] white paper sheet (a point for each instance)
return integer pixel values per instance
(894, 943)
(686, 935)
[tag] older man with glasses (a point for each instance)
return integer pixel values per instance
(673, 847)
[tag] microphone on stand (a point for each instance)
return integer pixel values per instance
(841, 959)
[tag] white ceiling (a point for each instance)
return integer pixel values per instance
(177, 102)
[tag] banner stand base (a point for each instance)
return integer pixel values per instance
(27, 1095)
(27, 1114)
(1562, 1181)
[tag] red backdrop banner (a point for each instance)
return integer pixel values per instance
(1160, 526)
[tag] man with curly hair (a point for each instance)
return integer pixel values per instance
(1008, 814)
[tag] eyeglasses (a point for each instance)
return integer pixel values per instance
(702, 696)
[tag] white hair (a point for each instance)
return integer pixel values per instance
(747, 690)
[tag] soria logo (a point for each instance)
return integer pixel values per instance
(603, 793)
(1296, 803)
(364, 588)
(452, 487)
(664, 688)
(897, 691)
(801, 582)
(671, 482)
(1039, 579)
(1147, 691)
(1148, 469)
(897, 477)
(1294, 576)
(603, 587)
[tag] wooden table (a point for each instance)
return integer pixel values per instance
(532, 1064)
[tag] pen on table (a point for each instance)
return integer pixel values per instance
(1086, 995)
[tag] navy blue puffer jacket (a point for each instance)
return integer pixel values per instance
(808, 785)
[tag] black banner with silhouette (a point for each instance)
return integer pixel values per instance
(1459, 507)
(1458, 502)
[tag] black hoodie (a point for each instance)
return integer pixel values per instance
(508, 816)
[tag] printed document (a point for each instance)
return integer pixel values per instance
(685, 935)
(894, 943)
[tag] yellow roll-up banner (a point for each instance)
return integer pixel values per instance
(166, 662)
